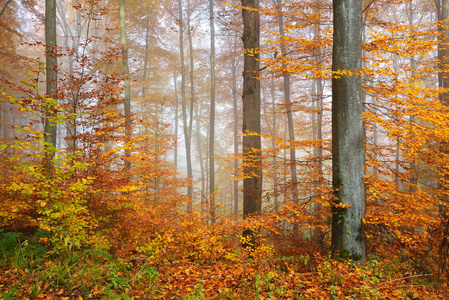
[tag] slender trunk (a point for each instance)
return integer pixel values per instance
(200, 150)
(348, 211)
(413, 179)
(291, 129)
(318, 131)
(192, 102)
(127, 103)
(273, 146)
(145, 61)
(252, 183)
(176, 123)
(212, 113)
(51, 69)
(236, 138)
(187, 132)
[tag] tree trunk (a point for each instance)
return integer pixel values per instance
(291, 128)
(187, 132)
(348, 211)
(175, 159)
(236, 138)
(127, 103)
(212, 113)
(192, 102)
(252, 158)
(51, 68)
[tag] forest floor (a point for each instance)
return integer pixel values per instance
(29, 271)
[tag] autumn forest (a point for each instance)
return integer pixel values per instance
(194, 149)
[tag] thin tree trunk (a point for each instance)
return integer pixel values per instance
(291, 128)
(273, 146)
(200, 150)
(51, 68)
(127, 103)
(212, 113)
(176, 123)
(236, 138)
(187, 131)
(192, 102)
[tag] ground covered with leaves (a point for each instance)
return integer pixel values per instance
(29, 270)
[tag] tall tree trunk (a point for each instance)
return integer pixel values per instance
(200, 150)
(175, 160)
(414, 178)
(318, 128)
(443, 49)
(127, 103)
(273, 146)
(212, 113)
(252, 158)
(51, 68)
(288, 103)
(187, 131)
(192, 102)
(348, 210)
(236, 138)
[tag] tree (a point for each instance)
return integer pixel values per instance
(348, 209)
(127, 103)
(51, 68)
(252, 182)
(212, 113)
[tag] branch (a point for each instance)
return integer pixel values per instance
(4, 8)
(412, 276)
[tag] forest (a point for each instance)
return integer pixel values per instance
(193, 149)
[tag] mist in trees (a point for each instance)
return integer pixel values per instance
(273, 137)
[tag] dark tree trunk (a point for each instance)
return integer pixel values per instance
(252, 183)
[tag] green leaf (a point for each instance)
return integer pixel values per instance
(3, 146)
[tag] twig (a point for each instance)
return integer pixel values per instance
(411, 276)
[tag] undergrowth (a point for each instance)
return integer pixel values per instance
(30, 271)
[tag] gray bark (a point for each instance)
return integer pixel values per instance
(51, 68)
(288, 103)
(236, 139)
(212, 113)
(187, 131)
(348, 211)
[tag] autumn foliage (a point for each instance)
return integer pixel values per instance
(76, 223)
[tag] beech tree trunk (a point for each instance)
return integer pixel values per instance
(348, 210)
(51, 68)
(212, 113)
(186, 128)
(192, 101)
(127, 103)
(236, 138)
(252, 183)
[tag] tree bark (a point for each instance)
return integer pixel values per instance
(236, 138)
(187, 131)
(212, 113)
(252, 158)
(51, 69)
(127, 103)
(348, 210)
